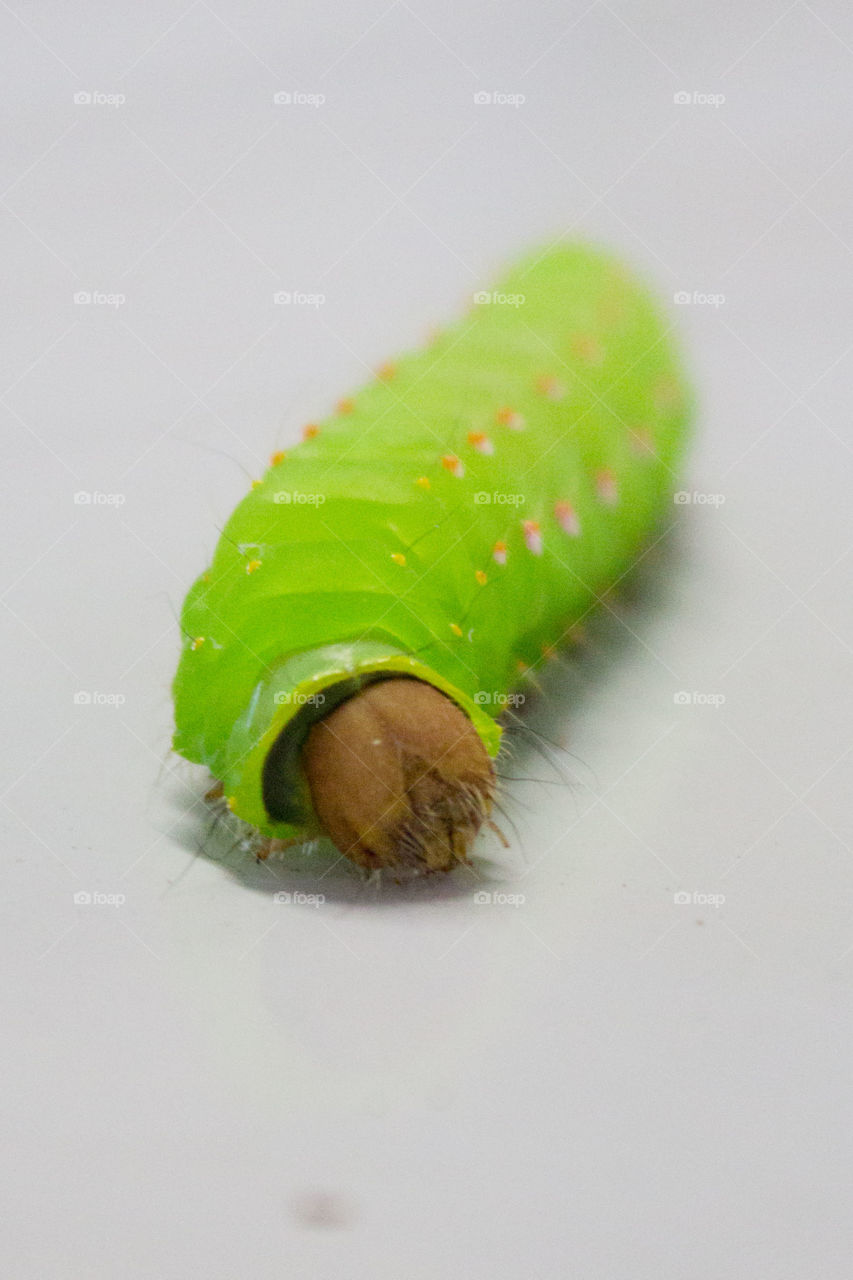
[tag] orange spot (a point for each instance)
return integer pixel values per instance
(548, 385)
(481, 442)
(532, 536)
(454, 465)
(456, 629)
(481, 577)
(587, 348)
(566, 517)
(386, 371)
(398, 557)
(310, 431)
(606, 486)
(197, 643)
(253, 566)
(277, 457)
(423, 482)
(499, 552)
(345, 406)
(508, 417)
(549, 652)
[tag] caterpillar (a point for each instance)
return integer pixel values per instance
(378, 594)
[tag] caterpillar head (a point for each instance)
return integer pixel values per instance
(399, 777)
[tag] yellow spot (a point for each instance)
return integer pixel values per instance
(386, 371)
(456, 629)
(256, 484)
(205, 577)
(398, 557)
(481, 577)
(197, 642)
(253, 565)
(345, 406)
(521, 664)
(423, 482)
(277, 457)
(231, 802)
(310, 431)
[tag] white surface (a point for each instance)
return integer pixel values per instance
(599, 1082)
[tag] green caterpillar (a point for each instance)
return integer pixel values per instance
(449, 523)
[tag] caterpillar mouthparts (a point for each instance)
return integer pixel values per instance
(399, 777)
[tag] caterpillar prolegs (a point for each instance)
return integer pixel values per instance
(375, 597)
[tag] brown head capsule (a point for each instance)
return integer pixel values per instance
(399, 777)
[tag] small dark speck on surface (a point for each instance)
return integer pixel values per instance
(321, 1209)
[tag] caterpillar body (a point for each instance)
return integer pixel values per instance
(379, 592)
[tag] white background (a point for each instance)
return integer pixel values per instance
(600, 1081)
